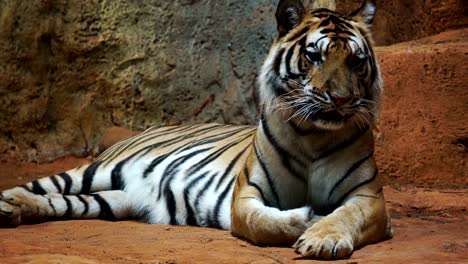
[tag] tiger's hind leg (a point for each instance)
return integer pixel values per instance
(89, 191)
(20, 206)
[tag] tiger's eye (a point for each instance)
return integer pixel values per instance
(314, 57)
(357, 60)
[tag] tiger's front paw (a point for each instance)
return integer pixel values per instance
(324, 243)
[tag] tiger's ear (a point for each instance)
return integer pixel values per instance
(289, 15)
(366, 13)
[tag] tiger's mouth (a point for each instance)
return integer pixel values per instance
(330, 116)
(320, 112)
(330, 119)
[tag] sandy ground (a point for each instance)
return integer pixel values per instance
(430, 227)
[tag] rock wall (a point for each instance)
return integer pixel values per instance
(405, 20)
(423, 137)
(69, 68)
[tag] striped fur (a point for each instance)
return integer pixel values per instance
(306, 175)
(170, 175)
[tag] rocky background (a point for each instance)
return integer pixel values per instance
(70, 69)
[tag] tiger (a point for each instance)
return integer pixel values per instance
(304, 177)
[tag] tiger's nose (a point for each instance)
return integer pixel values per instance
(340, 100)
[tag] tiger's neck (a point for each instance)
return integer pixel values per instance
(300, 138)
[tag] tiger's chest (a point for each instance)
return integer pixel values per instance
(322, 178)
(330, 180)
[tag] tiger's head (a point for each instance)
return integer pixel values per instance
(321, 71)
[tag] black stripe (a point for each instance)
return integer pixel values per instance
(349, 33)
(168, 177)
(37, 188)
(324, 23)
(354, 167)
(52, 206)
(191, 220)
(171, 205)
(105, 211)
(200, 194)
(194, 181)
(179, 139)
(343, 197)
(220, 201)
(88, 177)
(288, 62)
(278, 61)
(339, 29)
(116, 176)
(68, 182)
(254, 185)
(85, 203)
(373, 66)
(229, 167)
(153, 164)
(171, 169)
(315, 44)
(282, 153)
(278, 88)
(329, 47)
(268, 176)
(340, 24)
(68, 213)
(213, 156)
(24, 186)
(56, 183)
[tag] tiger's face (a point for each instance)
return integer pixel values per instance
(321, 71)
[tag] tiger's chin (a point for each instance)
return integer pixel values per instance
(328, 125)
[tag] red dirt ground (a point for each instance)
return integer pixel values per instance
(430, 227)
